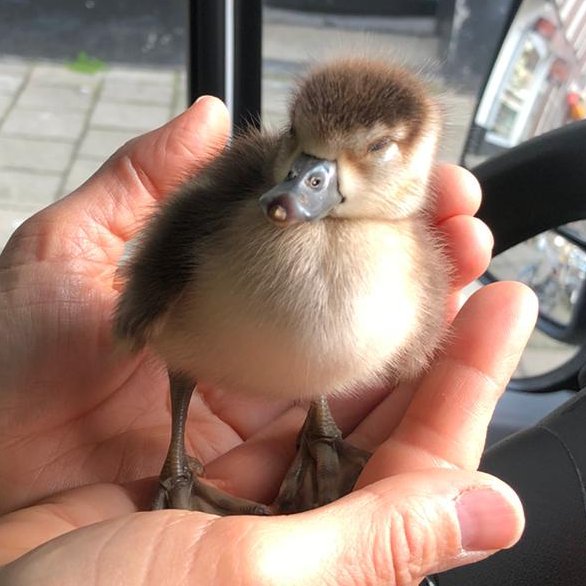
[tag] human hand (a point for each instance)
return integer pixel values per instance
(73, 412)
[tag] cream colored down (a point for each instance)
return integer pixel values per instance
(316, 309)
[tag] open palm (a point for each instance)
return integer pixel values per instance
(75, 410)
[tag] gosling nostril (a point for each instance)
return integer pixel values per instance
(277, 212)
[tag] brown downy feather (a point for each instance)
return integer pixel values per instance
(322, 307)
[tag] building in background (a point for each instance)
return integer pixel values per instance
(538, 80)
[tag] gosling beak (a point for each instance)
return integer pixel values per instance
(309, 192)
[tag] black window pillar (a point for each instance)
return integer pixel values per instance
(225, 57)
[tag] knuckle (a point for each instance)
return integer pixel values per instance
(403, 552)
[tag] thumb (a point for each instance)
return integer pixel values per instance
(145, 170)
(168, 155)
(395, 531)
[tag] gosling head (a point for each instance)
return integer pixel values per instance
(360, 145)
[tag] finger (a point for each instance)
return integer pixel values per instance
(469, 244)
(458, 192)
(166, 156)
(26, 529)
(395, 532)
(455, 303)
(152, 548)
(126, 188)
(255, 468)
(378, 425)
(246, 415)
(446, 422)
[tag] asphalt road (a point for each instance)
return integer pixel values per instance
(147, 32)
(128, 31)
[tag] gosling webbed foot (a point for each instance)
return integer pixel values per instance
(180, 486)
(187, 491)
(325, 467)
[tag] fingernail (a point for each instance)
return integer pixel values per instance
(200, 99)
(487, 520)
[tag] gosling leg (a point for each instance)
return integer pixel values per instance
(179, 484)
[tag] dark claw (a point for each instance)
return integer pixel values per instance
(193, 495)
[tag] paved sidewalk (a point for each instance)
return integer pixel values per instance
(58, 126)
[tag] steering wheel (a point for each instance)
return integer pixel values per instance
(537, 186)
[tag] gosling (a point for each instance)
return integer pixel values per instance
(298, 265)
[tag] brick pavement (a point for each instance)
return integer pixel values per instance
(57, 126)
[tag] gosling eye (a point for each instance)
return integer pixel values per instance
(380, 144)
